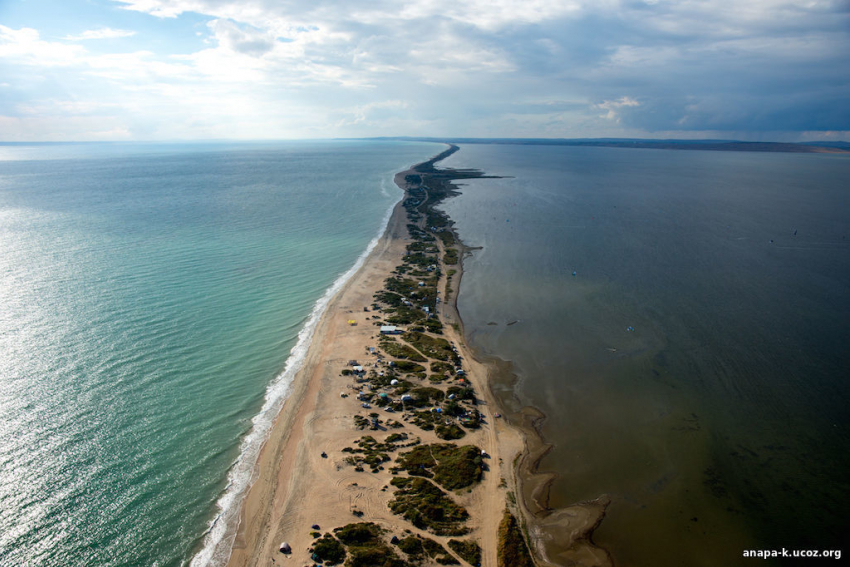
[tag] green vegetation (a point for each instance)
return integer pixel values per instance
(411, 545)
(366, 547)
(452, 467)
(426, 419)
(396, 350)
(329, 550)
(433, 347)
(449, 432)
(433, 325)
(409, 367)
(373, 454)
(447, 237)
(417, 547)
(512, 550)
(442, 367)
(401, 286)
(424, 505)
(391, 299)
(461, 393)
(436, 219)
(407, 316)
(424, 395)
(420, 259)
(468, 550)
(450, 258)
(472, 419)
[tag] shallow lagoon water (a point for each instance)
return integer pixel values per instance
(694, 367)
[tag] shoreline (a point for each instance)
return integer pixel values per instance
(277, 393)
(293, 490)
(556, 536)
(302, 477)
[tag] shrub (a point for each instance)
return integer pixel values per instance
(512, 550)
(468, 550)
(329, 549)
(423, 504)
(452, 467)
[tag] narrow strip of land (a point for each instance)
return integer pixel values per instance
(390, 451)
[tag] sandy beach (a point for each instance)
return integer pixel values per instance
(302, 478)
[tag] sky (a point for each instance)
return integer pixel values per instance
(84, 70)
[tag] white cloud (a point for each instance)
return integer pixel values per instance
(361, 114)
(613, 107)
(496, 67)
(24, 45)
(101, 33)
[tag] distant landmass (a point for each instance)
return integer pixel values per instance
(715, 145)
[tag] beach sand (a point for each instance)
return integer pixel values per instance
(296, 487)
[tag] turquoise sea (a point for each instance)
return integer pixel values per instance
(681, 317)
(154, 302)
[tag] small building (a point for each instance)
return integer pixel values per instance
(357, 369)
(389, 330)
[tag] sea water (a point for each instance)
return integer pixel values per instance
(681, 317)
(155, 300)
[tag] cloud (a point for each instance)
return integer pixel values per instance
(613, 107)
(26, 46)
(477, 67)
(362, 114)
(242, 39)
(101, 33)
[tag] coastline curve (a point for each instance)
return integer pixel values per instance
(218, 539)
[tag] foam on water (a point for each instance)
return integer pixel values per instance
(218, 541)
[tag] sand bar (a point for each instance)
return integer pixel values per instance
(302, 479)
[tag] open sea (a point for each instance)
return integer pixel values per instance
(155, 300)
(683, 320)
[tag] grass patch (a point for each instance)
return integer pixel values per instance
(468, 550)
(433, 325)
(433, 347)
(442, 367)
(371, 453)
(423, 504)
(461, 393)
(417, 548)
(426, 419)
(397, 350)
(512, 550)
(329, 550)
(409, 367)
(390, 298)
(449, 432)
(447, 237)
(452, 467)
(406, 316)
(366, 546)
(424, 395)
(401, 286)
(450, 258)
